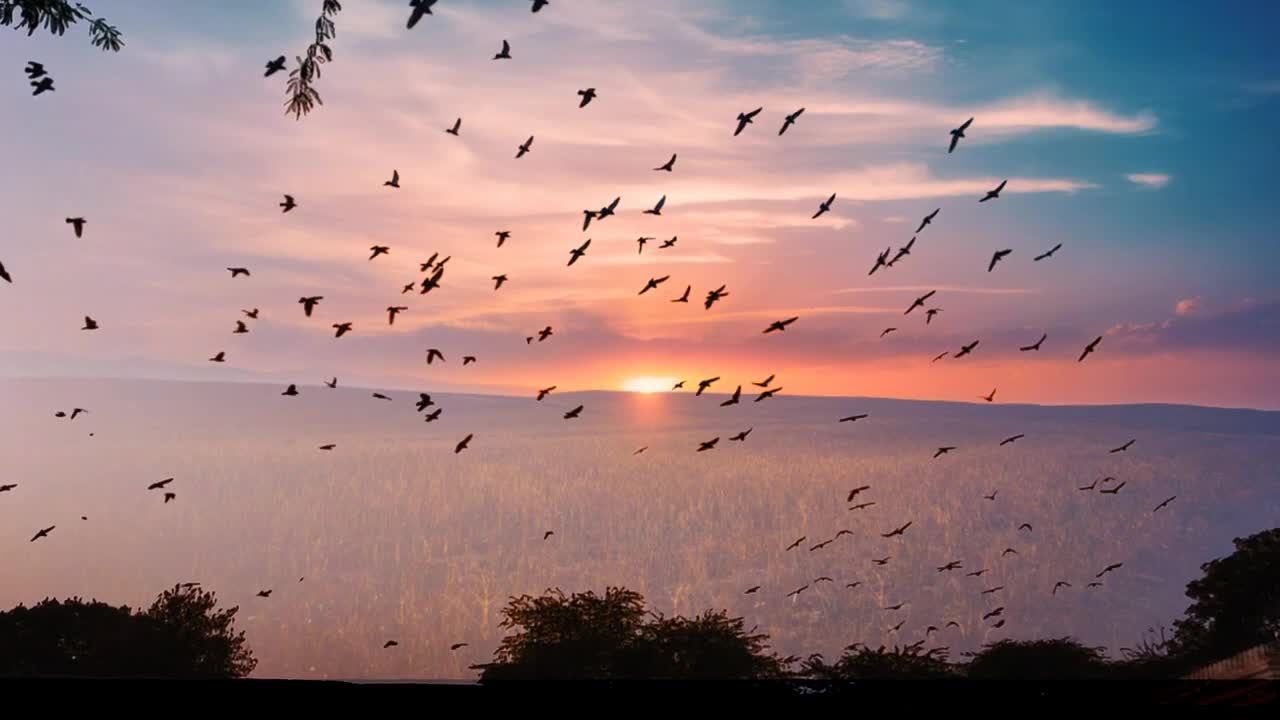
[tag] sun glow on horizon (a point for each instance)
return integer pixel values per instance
(648, 384)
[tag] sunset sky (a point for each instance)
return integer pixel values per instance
(1140, 135)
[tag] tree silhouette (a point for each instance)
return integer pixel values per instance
(302, 96)
(182, 635)
(587, 636)
(860, 662)
(56, 16)
(1236, 605)
(1061, 658)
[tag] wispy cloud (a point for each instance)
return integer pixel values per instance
(878, 9)
(1152, 181)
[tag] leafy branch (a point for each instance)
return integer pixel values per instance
(303, 98)
(56, 16)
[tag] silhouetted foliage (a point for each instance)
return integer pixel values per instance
(182, 635)
(56, 16)
(302, 96)
(860, 662)
(585, 635)
(1151, 658)
(1236, 605)
(1061, 658)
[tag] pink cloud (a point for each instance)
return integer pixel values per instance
(1187, 306)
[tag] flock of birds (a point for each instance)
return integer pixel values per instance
(433, 270)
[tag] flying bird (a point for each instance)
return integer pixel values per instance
(331, 383)
(573, 413)
(797, 591)
(882, 561)
(579, 251)
(637, 452)
(1123, 448)
(958, 133)
(861, 506)
(992, 496)
(708, 445)
(943, 451)
(237, 271)
(89, 323)
(953, 565)
(999, 624)
(897, 627)
(288, 204)
(241, 328)
(997, 257)
(820, 545)
(779, 325)
(752, 589)
(392, 311)
(920, 301)
(420, 8)
(505, 54)
(668, 166)
(433, 416)
(389, 644)
(856, 491)
(685, 297)
(1048, 254)
(524, 148)
(432, 354)
(677, 386)
(329, 446)
(882, 260)
(854, 418)
(503, 236)
(169, 496)
(264, 593)
(1113, 491)
(539, 4)
(1026, 526)
(791, 120)
(767, 394)
(1094, 584)
(4, 274)
(251, 314)
(928, 315)
(737, 395)
(1060, 584)
(990, 397)
(1012, 438)
(764, 383)
(341, 329)
(545, 392)
(990, 591)
(657, 209)
(653, 284)
(457, 125)
(939, 356)
(463, 444)
(1090, 486)
(903, 251)
(43, 533)
(1089, 348)
(927, 220)
(544, 333)
(160, 485)
(899, 606)
(36, 70)
(424, 401)
(309, 303)
(380, 396)
(896, 531)
(1168, 500)
(977, 573)
(1036, 345)
(745, 119)
(457, 646)
(1109, 568)
(886, 331)
(994, 613)
(42, 85)
(824, 208)
(853, 585)
(993, 194)
(704, 384)
(394, 181)
(587, 96)
(1008, 551)
(7, 488)
(498, 280)
(715, 295)
(547, 534)
(640, 242)
(290, 391)
(966, 349)
(796, 544)
(377, 250)
(220, 357)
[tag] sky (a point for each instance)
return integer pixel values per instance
(1139, 135)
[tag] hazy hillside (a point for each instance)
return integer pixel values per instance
(399, 537)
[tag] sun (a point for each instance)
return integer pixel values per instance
(648, 384)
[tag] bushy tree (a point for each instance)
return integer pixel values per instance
(1061, 658)
(589, 636)
(183, 635)
(860, 662)
(56, 16)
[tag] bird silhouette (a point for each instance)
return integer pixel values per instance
(457, 646)
(745, 119)
(389, 644)
(1165, 503)
(1008, 551)
(637, 452)
(886, 331)
(824, 208)
(668, 166)
(1089, 348)
(498, 280)
(539, 4)
(424, 402)
(996, 257)
(1048, 254)
(380, 396)
(779, 325)
(392, 311)
(309, 303)
(854, 418)
(998, 624)
(1113, 491)
(958, 133)
(1123, 448)
(241, 328)
(920, 301)
(1094, 584)
(966, 349)
(977, 573)
(432, 354)
(35, 70)
(524, 149)
(881, 261)
(931, 629)
(290, 391)
(377, 250)
(89, 323)
(994, 613)
(579, 251)
(1026, 526)
(740, 437)
(898, 627)
(264, 593)
(544, 333)
(43, 533)
(990, 397)
(237, 271)
(573, 413)
(899, 606)
(288, 204)
(505, 53)
(704, 384)
(653, 284)
(545, 392)
(7, 488)
(468, 359)
(992, 496)
(463, 444)
(928, 315)
(715, 295)
(587, 96)
(752, 589)
(927, 220)
(341, 329)
(433, 415)
(991, 591)
(1036, 345)
(420, 8)
(42, 86)
(943, 451)
(896, 531)
(797, 591)
(903, 251)
(547, 534)
(503, 236)
(1060, 584)
(329, 446)
(4, 274)
(767, 394)
(820, 545)
(993, 194)
(1011, 439)
(861, 506)
(251, 314)
(677, 386)
(855, 492)
(1090, 486)
(457, 125)
(657, 209)
(853, 585)
(169, 496)
(882, 561)
(952, 623)
(640, 243)
(733, 400)
(796, 544)
(669, 243)
(220, 357)
(331, 383)
(394, 181)
(162, 484)
(939, 356)
(953, 565)
(1109, 568)
(708, 445)
(764, 383)
(790, 120)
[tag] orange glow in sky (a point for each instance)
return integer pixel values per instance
(648, 384)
